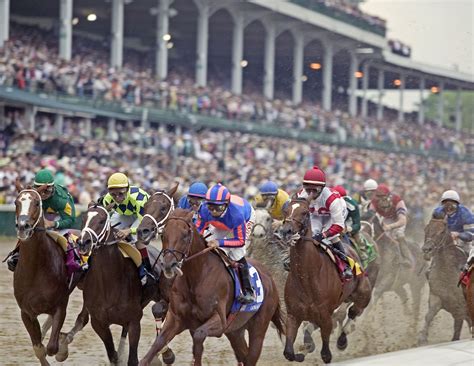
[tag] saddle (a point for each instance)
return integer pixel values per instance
(129, 251)
(355, 266)
(465, 276)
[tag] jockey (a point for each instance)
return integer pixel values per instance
(328, 212)
(460, 219)
(57, 202)
(193, 199)
(128, 205)
(364, 197)
(274, 200)
(353, 221)
(394, 218)
(229, 219)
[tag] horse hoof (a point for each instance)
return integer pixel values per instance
(168, 357)
(290, 356)
(342, 342)
(51, 350)
(307, 348)
(299, 357)
(326, 357)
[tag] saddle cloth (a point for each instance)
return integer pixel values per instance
(257, 286)
(464, 278)
(355, 267)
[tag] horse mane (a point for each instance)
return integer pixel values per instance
(181, 213)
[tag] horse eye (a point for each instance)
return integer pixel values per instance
(269, 219)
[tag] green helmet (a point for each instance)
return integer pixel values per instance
(44, 176)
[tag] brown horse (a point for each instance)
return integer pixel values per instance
(446, 261)
(469, 295)
(112, 288)
(202, 296)
(40, 278)
(314, 288)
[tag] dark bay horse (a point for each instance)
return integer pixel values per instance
(112, 288)
(314, 289)
(202, 295)
(446, 262)
(40, 279)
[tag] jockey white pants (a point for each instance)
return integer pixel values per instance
(235, 254)
(124, 222)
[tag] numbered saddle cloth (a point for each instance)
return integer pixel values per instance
(257, 286)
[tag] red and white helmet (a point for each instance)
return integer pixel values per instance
(382, 190)
(314, 176)
(341, 190)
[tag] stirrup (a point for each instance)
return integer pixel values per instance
(247, 297)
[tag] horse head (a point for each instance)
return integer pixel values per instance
(157, 210)
(297, 220)
(263, 224)
(436, 235)
(177, 240)
(29, 211)
(96, 227)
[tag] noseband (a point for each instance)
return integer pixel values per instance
(158, 225)
(104, 233)
(175, 252)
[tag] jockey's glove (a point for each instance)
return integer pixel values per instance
(319, 237)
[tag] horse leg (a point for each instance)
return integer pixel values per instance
(434, 306)
(457, 327)
(46, 326)
(239, 345)
(33, 327)
(81, 321)
(326, 329)
(103, 331)
(308, 345)
(211, 328)
(292, 325)
(58, 320)
(172, 326)
(133, 339)
(257, 329)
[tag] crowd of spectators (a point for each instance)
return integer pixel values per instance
(157, 157)
(29, 61)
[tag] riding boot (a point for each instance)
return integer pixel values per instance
(248, 295)
(361, 247)
(13, 257)
(347, 273)
(406, 258)
(145, 270)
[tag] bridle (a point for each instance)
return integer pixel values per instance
(175, 252)
(440, 243)
(104, 233)
(33, 228)
(158, 225)
(302, 224)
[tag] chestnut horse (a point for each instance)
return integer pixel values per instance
(202, 296)
(112, 288)
(40, 279)
(314, 289)
(469, 295)
(446, 261)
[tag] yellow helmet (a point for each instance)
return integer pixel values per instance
(117, 180)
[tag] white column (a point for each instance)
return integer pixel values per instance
(237, 52)
(401, 114)
(269, 61)
(59, 124)
(327, 75)
(298, 58)
(4, 21)
(458, 110)
(31, 117)
(87, 127)
(441, 103)
(65, 29)
(116, 47)
(380, 87)
(162, 28)
(353, 84)
(111, 123)
(421, 111)
(365, 85)
(202, 43)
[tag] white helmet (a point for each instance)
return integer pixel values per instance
(370, 185)
(451, 195)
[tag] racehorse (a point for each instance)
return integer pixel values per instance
(469, 295)
(314, 289)
(112, 288)
(203, 293)
(393, 276)
(40, 281)
(446, 260)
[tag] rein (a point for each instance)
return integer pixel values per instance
(442, 242)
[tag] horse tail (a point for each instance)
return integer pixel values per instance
(277, 320)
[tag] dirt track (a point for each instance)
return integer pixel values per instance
(388, 328)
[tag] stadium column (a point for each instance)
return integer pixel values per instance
(202, 42)
(353, 84)
(401, 113)
(327, 75)
(441, 103)
(65, 31)
(30, 113)
(111, 128)
(365, 85)
(268, 83)
(421, 111)
(237, 51)
(298, 55)
(59, 124)
(458, 109)
(4, 21)
(162, 28)
(116, 50)
(380, 86)
(87, 127)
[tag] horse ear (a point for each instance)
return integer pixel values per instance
(172, 191)
(42, 188)
(189, 216)
(109, 207)
(19, 187)
(91, 203)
